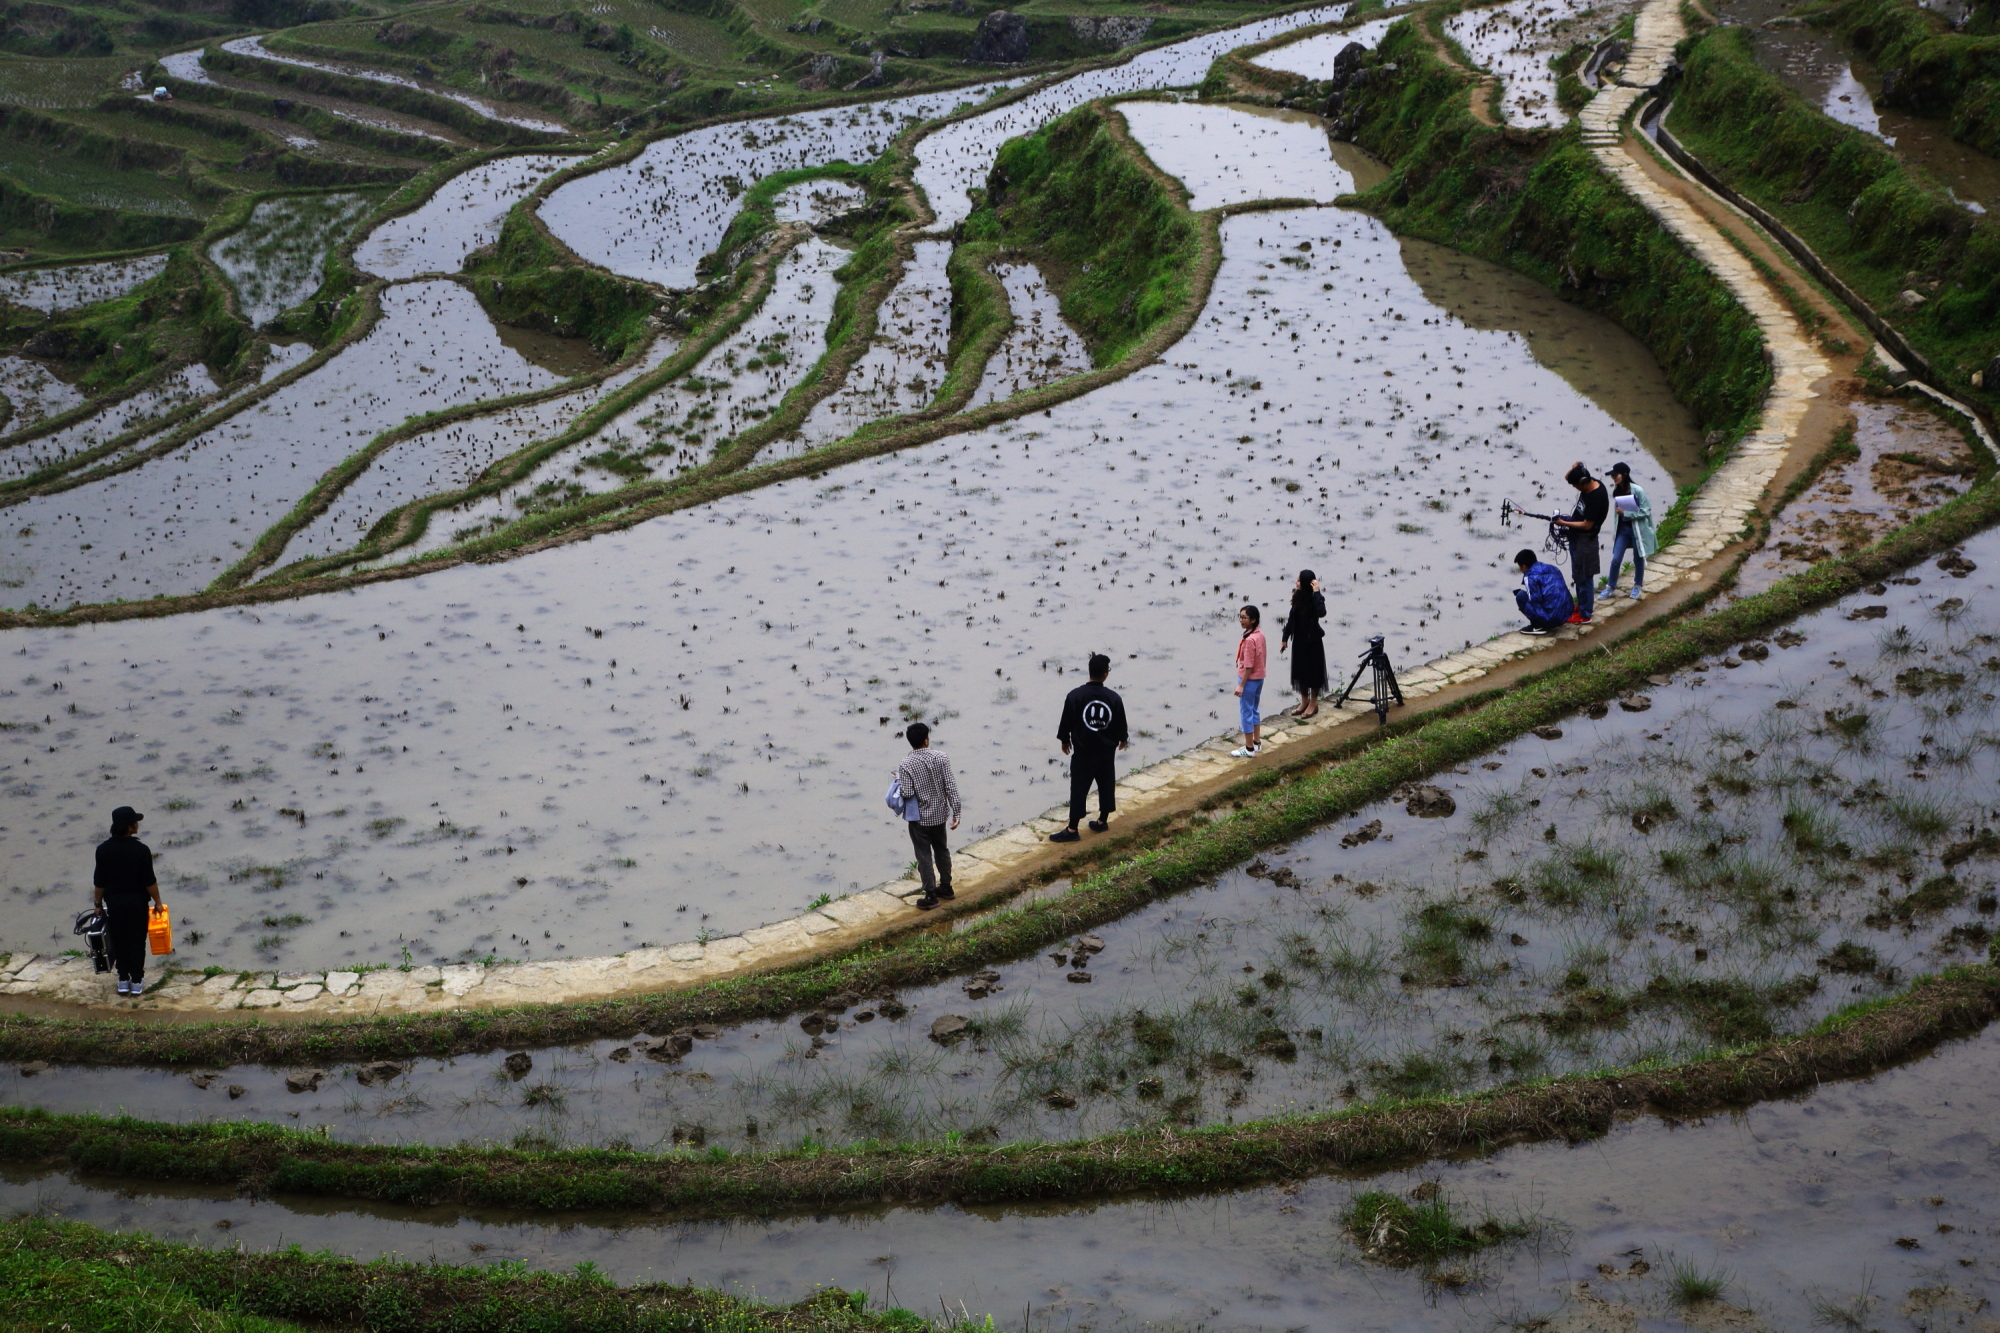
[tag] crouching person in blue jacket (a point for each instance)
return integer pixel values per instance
(1544, 599)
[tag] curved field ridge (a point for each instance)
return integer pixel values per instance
(265, 1159)
(1719, 513)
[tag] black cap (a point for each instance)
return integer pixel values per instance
(125, 815)
(1621, 469)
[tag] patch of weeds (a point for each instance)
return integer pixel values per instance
(1573, 874)
(1394, 1230)
(1434, 947)
(544, 1095)
(1851, 958)
(1923, 817)
(1691, 1284)
(382, 828)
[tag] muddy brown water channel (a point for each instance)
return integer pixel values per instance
(1872, 1196)
(1839, 81)
(1750, 845)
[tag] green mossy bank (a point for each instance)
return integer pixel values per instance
(1114, 242)
(525, 279)
(1885, 229)
(1927, 67)
(62, 1275)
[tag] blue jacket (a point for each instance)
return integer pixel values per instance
(1548, 595)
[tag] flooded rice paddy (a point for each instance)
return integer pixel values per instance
(74, 285)
(1869, 1199)
(1518, 40)
(505, 114)
(764, 649)
(1773, 834)
(1235, 155)
(905, 361)
(165, 527)
(1313, 56)
(464, 214)
(274, 260)
(1040, 349)
(32, 392)
(186, 385)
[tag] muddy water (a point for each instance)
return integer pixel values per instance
(905, 362)
(183, 386)
(173, 524)
(957, 157)
(462, 215)
(1827, 73)
(766, 648)
(1325, 941)
(1599, 361)
(1233, 155)
(1853, 503)
(657, 215)
(682, 425)
(1313, 56)
(1802, 1202)
(1516, 41)
(274, 259)
(504, 113)
(1040, 349)
(74, 285)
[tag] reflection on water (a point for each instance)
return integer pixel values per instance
(1876, 1195)
(1593, 355)
(274, 258)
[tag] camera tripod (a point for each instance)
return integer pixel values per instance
(1383, 684)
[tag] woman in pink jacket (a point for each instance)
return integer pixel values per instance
(1250, 681)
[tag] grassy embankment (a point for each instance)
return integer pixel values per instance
(63, 1275)
(1880, 225)
(1929, 69)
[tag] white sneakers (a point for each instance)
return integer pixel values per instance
(1246, 752)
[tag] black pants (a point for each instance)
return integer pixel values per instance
(928, 839)
(1085, 768)
(125, 935)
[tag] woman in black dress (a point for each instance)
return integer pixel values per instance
(1302, 626)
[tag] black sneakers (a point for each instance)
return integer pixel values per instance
(1065, 835)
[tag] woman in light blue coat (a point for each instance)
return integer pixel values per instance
(1635, 533)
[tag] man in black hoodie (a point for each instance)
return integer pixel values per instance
(1092, 732)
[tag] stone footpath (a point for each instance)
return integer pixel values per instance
(1719, 514)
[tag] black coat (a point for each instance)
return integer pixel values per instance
(1308, 640)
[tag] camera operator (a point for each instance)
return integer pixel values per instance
(1593, 506)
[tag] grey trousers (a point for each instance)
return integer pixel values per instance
(928, 839)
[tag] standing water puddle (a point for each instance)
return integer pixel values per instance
(823, 611)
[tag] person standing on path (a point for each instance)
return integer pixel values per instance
(1593, 506)
(926, 774)
(1635, 532)
(1302, 626)
(1250, 682)
(124, 888)
(1091, 732)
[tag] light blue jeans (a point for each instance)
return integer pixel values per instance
(1626, 540)
(1248, 712)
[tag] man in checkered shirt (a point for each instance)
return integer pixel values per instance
(926, 774)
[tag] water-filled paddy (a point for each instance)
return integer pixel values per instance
(502, 112)
(1040, 349)
(1804, 1206)
(1516, 41)
(760, 642)
(173, 524)
(463, 214)
(176, 389)
(73, 285)
(274, 259)
(1232, 155)
(1313, 56)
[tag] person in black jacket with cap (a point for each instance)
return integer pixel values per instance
(1092, 731)
(126, 889)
